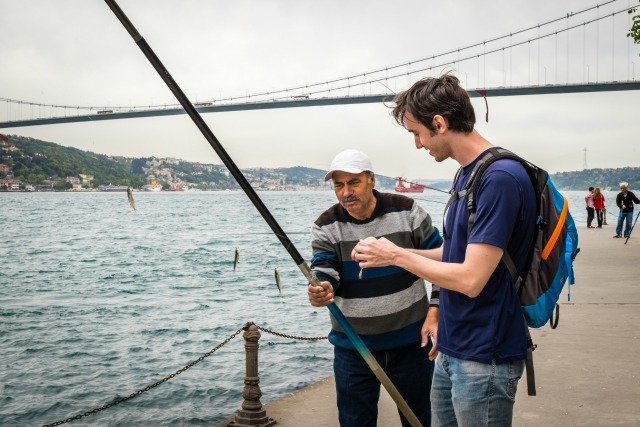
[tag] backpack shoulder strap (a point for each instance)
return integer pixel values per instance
(492, 155)
(473, 183)
(513, 271)
(454, 195)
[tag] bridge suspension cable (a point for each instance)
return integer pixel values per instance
(351, 79)
(485, 53)
(341, 90)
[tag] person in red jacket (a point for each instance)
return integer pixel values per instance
(598, 204)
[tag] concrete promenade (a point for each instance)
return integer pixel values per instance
(587, 370)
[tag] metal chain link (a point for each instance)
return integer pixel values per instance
(149, 387)
(279, 334)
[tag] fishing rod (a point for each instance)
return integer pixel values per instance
(257, 202)
(632, 227)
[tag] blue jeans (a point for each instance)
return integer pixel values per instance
(467, 393)
(628, 216)
(358, 389)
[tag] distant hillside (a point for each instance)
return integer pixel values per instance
(36, 162)
(603, 178)
(33, 161)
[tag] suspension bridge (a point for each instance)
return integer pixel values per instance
(566, 54)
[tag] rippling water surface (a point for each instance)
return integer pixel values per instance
(97, 301)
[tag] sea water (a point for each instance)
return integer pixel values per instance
(98, 301)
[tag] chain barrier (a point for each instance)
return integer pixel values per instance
(293, 337)
(178, 372)
(149, 387)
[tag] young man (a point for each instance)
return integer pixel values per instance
(481, 332)
(625, 201)
(388, 307)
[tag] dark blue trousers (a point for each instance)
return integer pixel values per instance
(358, 389)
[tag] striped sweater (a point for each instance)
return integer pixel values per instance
(387, 307)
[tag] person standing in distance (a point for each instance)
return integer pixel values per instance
(388, 307)
(598, 204)
(481, 329)
(588, 200)
(625, 200)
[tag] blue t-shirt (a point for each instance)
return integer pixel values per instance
(489, 327)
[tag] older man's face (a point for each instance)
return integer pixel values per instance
(355, 193)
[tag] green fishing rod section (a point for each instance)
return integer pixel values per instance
(257, 202)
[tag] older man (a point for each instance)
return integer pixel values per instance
(387, 306)
(625, 200)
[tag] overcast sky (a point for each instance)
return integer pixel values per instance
(76, 52)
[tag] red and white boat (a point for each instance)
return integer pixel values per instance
(412, 188)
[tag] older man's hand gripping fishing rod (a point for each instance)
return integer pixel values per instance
(257, 202)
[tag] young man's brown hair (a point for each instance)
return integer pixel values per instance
(437, 95)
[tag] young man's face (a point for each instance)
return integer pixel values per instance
(425, 138)
(355, 193)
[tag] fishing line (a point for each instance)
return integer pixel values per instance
(429, 201)
(416, 183)
(392, 179)
(410, 182)
(262, 209)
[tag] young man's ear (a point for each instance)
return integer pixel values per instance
(439, 124)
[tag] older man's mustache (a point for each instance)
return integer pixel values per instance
(351, 198)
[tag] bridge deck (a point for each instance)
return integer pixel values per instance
(314, 102)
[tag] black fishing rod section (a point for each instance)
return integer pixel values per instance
(206, 131)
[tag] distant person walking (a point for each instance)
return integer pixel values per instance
(598, 204)
(625, 201)
(588, 199)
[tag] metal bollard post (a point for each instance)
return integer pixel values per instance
(251, 412)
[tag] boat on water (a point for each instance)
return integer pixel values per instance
(177, 185)
(412, 188)
(152, 186)
(110, 187)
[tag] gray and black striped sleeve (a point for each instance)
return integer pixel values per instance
(426, 236)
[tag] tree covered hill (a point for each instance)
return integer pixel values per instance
(603, 178)
(33, 161)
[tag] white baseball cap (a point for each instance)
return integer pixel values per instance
(351, 161)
